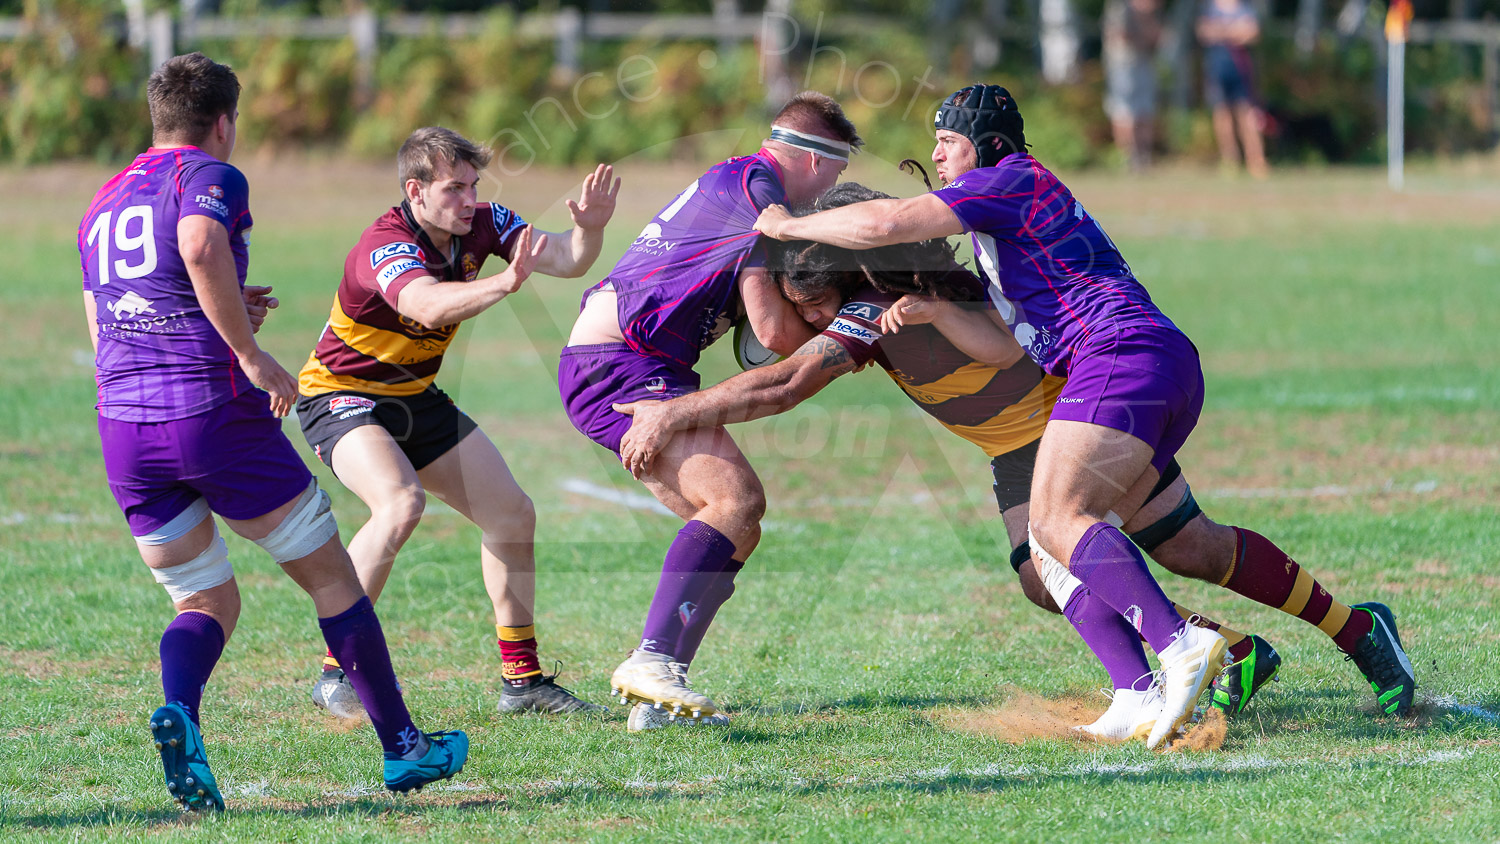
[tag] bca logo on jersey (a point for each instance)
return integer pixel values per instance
(863, 310)
(130, 306)
(391, 250)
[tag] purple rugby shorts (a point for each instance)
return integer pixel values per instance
(234, 456)
(591, 378)
(1143, 380)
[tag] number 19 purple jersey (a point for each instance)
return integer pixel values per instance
(678, 283)
(1054, 274)
(159, 358)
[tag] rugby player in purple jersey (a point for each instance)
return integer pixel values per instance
(1134, 393)
(694, 269)
(189, 409)
(926, 321)
(371, 410)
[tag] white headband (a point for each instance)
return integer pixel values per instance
(826, 147)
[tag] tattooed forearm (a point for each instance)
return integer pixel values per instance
(831, 354)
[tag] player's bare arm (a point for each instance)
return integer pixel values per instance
(774, 320)
(570, 254)
(865, 225)
(750, 395)
(436, 303)
(981, 334)
(204, 243)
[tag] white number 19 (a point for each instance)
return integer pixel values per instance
(143, 241)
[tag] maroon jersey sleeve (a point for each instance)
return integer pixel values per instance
(387, 259)
(499, 227)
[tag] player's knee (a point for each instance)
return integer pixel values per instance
(207, 570)
(401, 510)
(307, 526)
(511, 521)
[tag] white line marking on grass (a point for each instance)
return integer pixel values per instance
(629, 500)
(1364, 398)
(1451, 702)
(1330, 491)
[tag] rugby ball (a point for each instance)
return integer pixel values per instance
(748, 352)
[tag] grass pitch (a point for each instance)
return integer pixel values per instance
(886, 678)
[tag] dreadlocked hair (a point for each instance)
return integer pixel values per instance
(927, 268)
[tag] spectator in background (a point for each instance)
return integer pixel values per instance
(1132, 31)
(1227, 28)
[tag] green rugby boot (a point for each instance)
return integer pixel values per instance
(1239, 681)
(1380, 657)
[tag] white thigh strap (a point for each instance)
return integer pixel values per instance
(204, 571)
(305, 529)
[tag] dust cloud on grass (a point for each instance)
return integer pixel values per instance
(1023, 716)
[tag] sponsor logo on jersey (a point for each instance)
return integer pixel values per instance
(137, 172)
(656, 385)
(130, 306)
(650, 240)
(392, 271)
(849, 329)
(471, 266)
(338, 403)
(215, 191)
(355, 412)
(212, 204)
(863, 310)
(391, 250)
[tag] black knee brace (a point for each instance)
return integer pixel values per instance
(1151, 537)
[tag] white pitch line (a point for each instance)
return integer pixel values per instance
(1329, 491)
(1364, 398)
(1451, 702)
(629, 500)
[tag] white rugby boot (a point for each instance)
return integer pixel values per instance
(657, 681)
(1130, 716)
(1188, 666)
(644, 716)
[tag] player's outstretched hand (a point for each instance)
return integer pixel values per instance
(772, 221)
(649, 433)
(265, 373)
(523, 260)
(596, 202)
(910, 309)
(258, 303)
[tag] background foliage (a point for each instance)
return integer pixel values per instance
(72, 88)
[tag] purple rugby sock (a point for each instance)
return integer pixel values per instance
(357, 642)
(1113, 569)
(190, 648)
(1111, 638)
(720, 591)
(694, 561)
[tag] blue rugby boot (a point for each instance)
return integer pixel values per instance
(183, 762)
(1382, 660)
(1239, 681)
(446, 754)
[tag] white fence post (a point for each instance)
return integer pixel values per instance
(160, 29)
(364, 30)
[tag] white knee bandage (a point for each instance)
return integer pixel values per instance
(179, 526)
(1060, 583)
(204, 571)
(304, 530)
